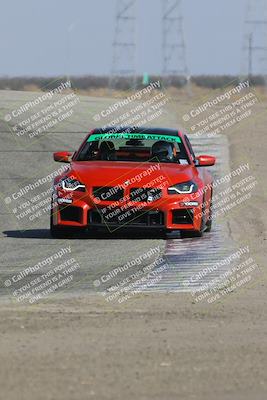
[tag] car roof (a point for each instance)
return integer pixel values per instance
(133, 129)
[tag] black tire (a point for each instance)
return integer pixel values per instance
(172, 234)
(191, 234)
(209, 220)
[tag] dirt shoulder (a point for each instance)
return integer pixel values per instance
(248, 144)
(156, 346)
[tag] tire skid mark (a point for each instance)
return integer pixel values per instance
(185, 258)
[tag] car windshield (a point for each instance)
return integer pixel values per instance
(133, 147)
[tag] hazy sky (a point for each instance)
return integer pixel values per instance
(48, 37)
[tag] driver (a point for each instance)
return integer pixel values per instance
(164, 151)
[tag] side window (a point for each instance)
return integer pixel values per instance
(190, 147)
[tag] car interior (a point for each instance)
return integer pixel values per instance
(134, 150)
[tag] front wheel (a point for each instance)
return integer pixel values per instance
(191, 234)
(209, 221)
(172, 234)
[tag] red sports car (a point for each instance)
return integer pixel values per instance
(133, 178)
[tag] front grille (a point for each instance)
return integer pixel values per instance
(70, 213)
(128, 218)
(145, 194)
(183, 216)
(108, 193)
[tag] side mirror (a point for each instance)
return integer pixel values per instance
(62, 156)
(205, 161)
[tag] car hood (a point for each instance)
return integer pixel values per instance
(109, 173)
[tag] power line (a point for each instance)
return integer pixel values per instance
(255, 40)
(124, 44)
(173, 43)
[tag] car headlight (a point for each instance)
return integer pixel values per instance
(183, 188)
(70, 184)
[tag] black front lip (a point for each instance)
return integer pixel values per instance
(125, 226)
(149, 221)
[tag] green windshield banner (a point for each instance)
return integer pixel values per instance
(124, 135)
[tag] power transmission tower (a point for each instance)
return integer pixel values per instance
(173, 43)
(124, 44)
(255, 40)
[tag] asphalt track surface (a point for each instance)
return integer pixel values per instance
(25, 243)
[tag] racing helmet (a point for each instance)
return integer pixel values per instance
(107, 150)
(163, 151)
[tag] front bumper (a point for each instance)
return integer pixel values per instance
(165, 213)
